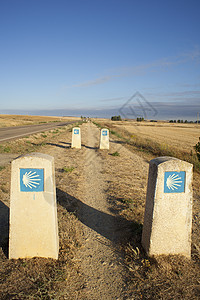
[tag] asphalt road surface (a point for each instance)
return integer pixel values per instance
(10, 133)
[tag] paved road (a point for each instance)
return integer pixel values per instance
(10, 133)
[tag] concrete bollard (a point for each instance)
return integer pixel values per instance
(168, 211)
(33, 210)
(104, 139)
(76, 138)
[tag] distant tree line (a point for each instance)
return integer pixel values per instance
(181, 121)
(116, 118)
(140, 119)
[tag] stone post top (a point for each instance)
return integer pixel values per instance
(35, 155)
(104, 129)
(169, 160)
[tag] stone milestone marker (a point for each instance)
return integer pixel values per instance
(33, 210)
(168, 211)
(76, 138)
(104, 139)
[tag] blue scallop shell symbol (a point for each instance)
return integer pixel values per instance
(104, 132)
(31, 180)
(76, 131)
(174, 182)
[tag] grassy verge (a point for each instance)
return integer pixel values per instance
(31, 143)
(158, 149)
(97, 124)
(41, 278)
(77, 124)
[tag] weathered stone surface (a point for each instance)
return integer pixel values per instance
(168, 211)
(104, 139)
(76, 138)
(33, 209)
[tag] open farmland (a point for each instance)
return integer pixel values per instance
(101, 202)
(158, 138)
(19, 120)
(178, 136)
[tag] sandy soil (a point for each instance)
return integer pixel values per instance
(100, 255)
(101, 264)
(6, 158)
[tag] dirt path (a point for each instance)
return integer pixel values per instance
(101, 264)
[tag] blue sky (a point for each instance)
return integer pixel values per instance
(93, 55)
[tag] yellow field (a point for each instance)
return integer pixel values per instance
(20, 120)
(179, 136)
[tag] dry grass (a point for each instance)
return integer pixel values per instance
(34, 142)
(160, 139)
(170, 277)
(177, 136)
(41, 278)
(30, 143)
(19, 120)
